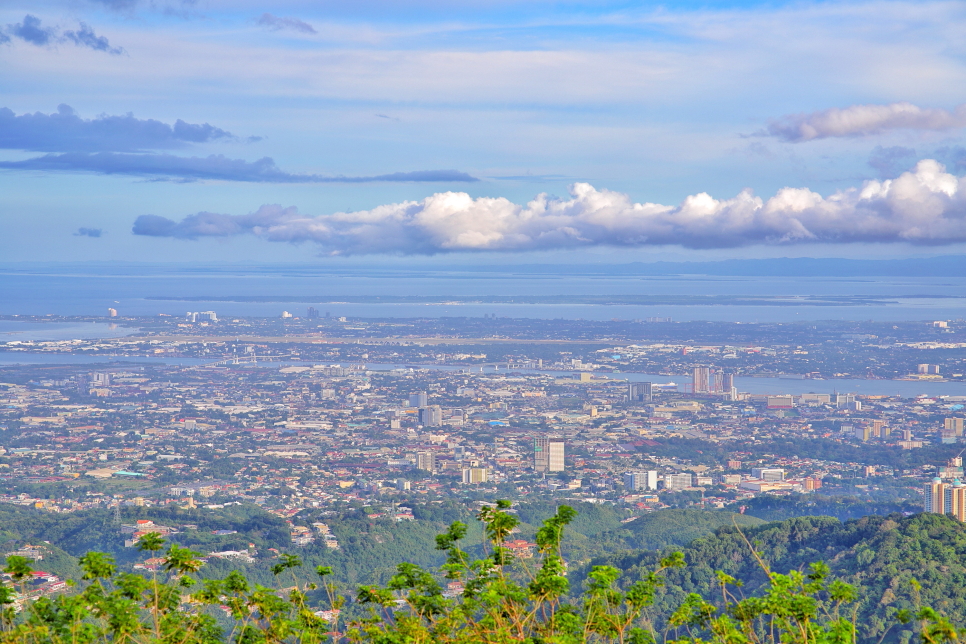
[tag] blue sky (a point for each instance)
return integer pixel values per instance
(300, 131)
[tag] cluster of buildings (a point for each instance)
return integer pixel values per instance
(289, 437)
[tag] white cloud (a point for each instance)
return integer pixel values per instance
(923, 206)
(858, 120)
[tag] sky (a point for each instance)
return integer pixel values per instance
(505, 130)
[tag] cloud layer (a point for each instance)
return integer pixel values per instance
(923, 206)
(65, 131)
(31, 31)
(213, 167)
(278, 23)
(860, 120)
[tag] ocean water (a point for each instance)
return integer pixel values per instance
(87, 290)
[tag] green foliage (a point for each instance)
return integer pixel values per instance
(493, 597)
(879, 556)
(779, 508)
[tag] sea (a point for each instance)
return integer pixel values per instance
(89, 290)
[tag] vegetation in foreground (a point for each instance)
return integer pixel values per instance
(492, 598)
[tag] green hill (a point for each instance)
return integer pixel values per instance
(881, 555)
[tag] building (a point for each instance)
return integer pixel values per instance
(418, 399)
(473, 475)
(780, 402)
(811, 483)
(426, 461)
(955, 498)
(953, 469)
(641, 480)
(935, 497)
(701, 380)
(928, 369)
(768, 473)
(431, 416)
(734, 465)
(728, 385)
(706, 380)
(201, 316)
(681, 481)
(548, 454)
(880, 429)
(862, 432)
(841, 400)
(955, 425)
(312, 313)
(943, 498)
(112, 313)
(639, 392)
(815, 399)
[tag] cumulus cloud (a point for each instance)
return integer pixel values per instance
(88, 232)
(65, 131)
(860, 120)
(212, 167)
(85, 37)
(923, 206)
(277, 23)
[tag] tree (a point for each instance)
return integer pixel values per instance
(496, 598)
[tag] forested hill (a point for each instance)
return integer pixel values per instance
(880, 554)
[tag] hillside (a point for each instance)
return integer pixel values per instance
(369, 549)
(881, 555)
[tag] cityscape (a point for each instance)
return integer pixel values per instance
(516, 322)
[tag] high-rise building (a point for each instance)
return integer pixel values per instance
(473, 475)
(548, 454)
(639, 392)
(112, 313)
(955, 424)
(706, 380)
(426, 461)
(955, 497)
(418, 399)
(935, 497)
(641, 480)
(863, 432)
(541, 454)
(701, 380)
(880, 429)
(929, 369)
(312, 313)
(431, 416)
(841, 400)
(557, 446)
